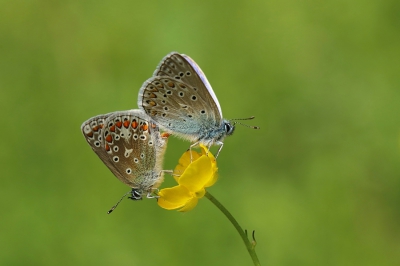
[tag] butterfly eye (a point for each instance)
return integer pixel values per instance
(229, 129)
(136, 195)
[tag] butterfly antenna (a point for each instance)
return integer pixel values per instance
(248, 118)
(115, 206)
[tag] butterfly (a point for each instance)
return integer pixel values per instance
(131, 146)
(180, 100)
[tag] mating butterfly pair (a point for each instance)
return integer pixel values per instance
(178, 99)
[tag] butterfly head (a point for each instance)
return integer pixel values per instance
(136, 194)
(229, 127)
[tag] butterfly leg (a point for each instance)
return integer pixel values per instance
(190, 149)
(153, 192)
(150, 194)
(166, 171)
(209, 146)
(170, 172)
(221, 144)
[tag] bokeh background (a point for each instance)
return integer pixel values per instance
(319, 182)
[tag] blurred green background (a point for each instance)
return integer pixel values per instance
(319, 182)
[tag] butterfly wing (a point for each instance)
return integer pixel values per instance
(132, 144)
(92, 130)
(180, 98)
(174, 106)
(202, 76)
(131, 148)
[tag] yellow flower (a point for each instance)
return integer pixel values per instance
(192, 177)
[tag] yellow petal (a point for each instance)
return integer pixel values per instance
(212, 180)
(206, 151)
(184, 162)
(214, 167)
(197, 175)
(173, 198)
(189, 205)
(200, 193)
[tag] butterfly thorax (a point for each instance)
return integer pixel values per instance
(210, 135)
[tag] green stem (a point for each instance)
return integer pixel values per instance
(250, 246)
